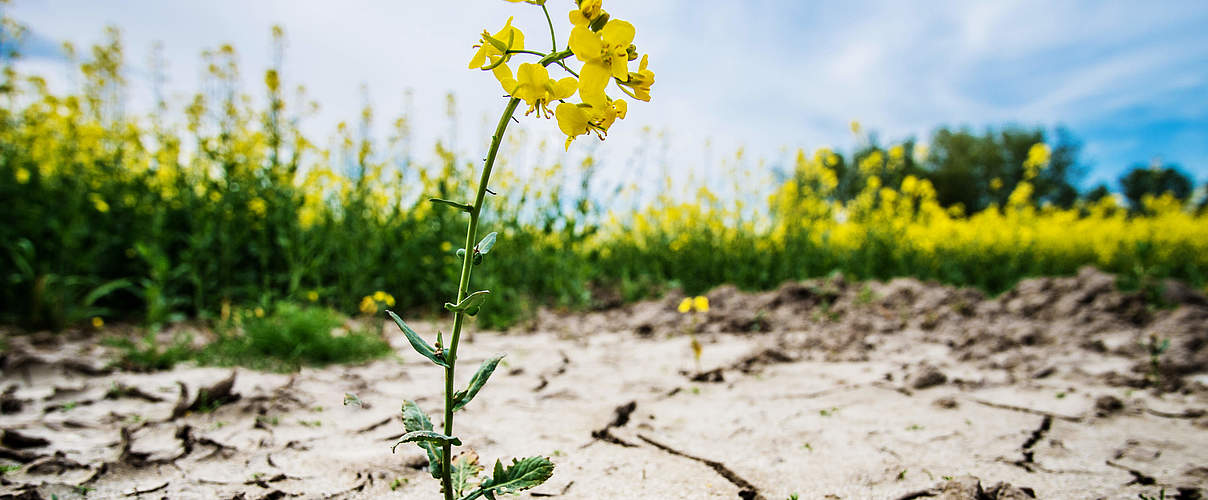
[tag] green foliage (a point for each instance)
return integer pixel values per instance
(290, 337)
(462, 398)
(1145, 180)
(415, 420)
(147, 354)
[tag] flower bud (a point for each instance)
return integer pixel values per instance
(631, 52)
(598, 23)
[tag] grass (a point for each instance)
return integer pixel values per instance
(290, 337)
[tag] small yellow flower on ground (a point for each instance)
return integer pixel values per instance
(701, 303)
(312, 296)
(368, 305)
(97, 322)
(259, 312)
(685, 305)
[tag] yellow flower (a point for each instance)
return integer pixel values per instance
(312, 296)
(701, 303)
(446, 246)
(259, 312)
(22, 175)
(535, 87)
(685, 305)
(640, 81)
(587, 13)
(368, 305)
(492, 51)
(98, 203)
(258, 207)
(604, 55)
(579, 119)
(97, 322)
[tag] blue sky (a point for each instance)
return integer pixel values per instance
(1130, 79)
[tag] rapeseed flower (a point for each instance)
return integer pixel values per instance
(534, 86)
(605, 55)
(493, 49)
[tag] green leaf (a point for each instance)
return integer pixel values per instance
(460, 206)
(464, 468)
(105, 289)
(426, 437)
(471, 304)
(521, 475)
(418, 343)
(484, 246)
(462, 398)
(414, 419)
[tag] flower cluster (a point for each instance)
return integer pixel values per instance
(604, 46)
(699, 303)
(371, 304)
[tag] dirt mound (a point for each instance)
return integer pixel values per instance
(1018, 330)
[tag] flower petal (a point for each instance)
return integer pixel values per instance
(565, 87)
(586, 45)
(592, 80)
(618, 33)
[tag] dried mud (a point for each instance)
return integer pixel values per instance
(825, 388)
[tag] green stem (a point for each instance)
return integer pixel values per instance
(463, 288)
(553, 39)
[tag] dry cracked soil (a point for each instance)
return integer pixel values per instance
(823, 388)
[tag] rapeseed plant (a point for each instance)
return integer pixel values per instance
(605, 47)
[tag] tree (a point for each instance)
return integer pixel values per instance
(977, 171)
(1154, 180)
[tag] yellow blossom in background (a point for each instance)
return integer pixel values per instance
(259, 312)
(699, 303)
(383, 298)
(22, 175)
(445, 246)
(97, 322)
(312, 296)
(368, 305)
(98, 203)
(258, 207)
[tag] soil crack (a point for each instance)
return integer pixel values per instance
(746, 490)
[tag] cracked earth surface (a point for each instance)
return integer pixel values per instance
(823, 388)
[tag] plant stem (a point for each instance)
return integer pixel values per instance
(552, 38)
(463, 288)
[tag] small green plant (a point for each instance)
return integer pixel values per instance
(6, 468)
(866, 295)
(1160, 496)
(1155, 347)
(398, 482)
(289, 337)
(604, 44)
(793, 496)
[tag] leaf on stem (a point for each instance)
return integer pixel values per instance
(418, 343)
(414, 419)
(427, 437)
(471, 304)
(521, 475)
(460, 206)
(464, 468)
(462, 398)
